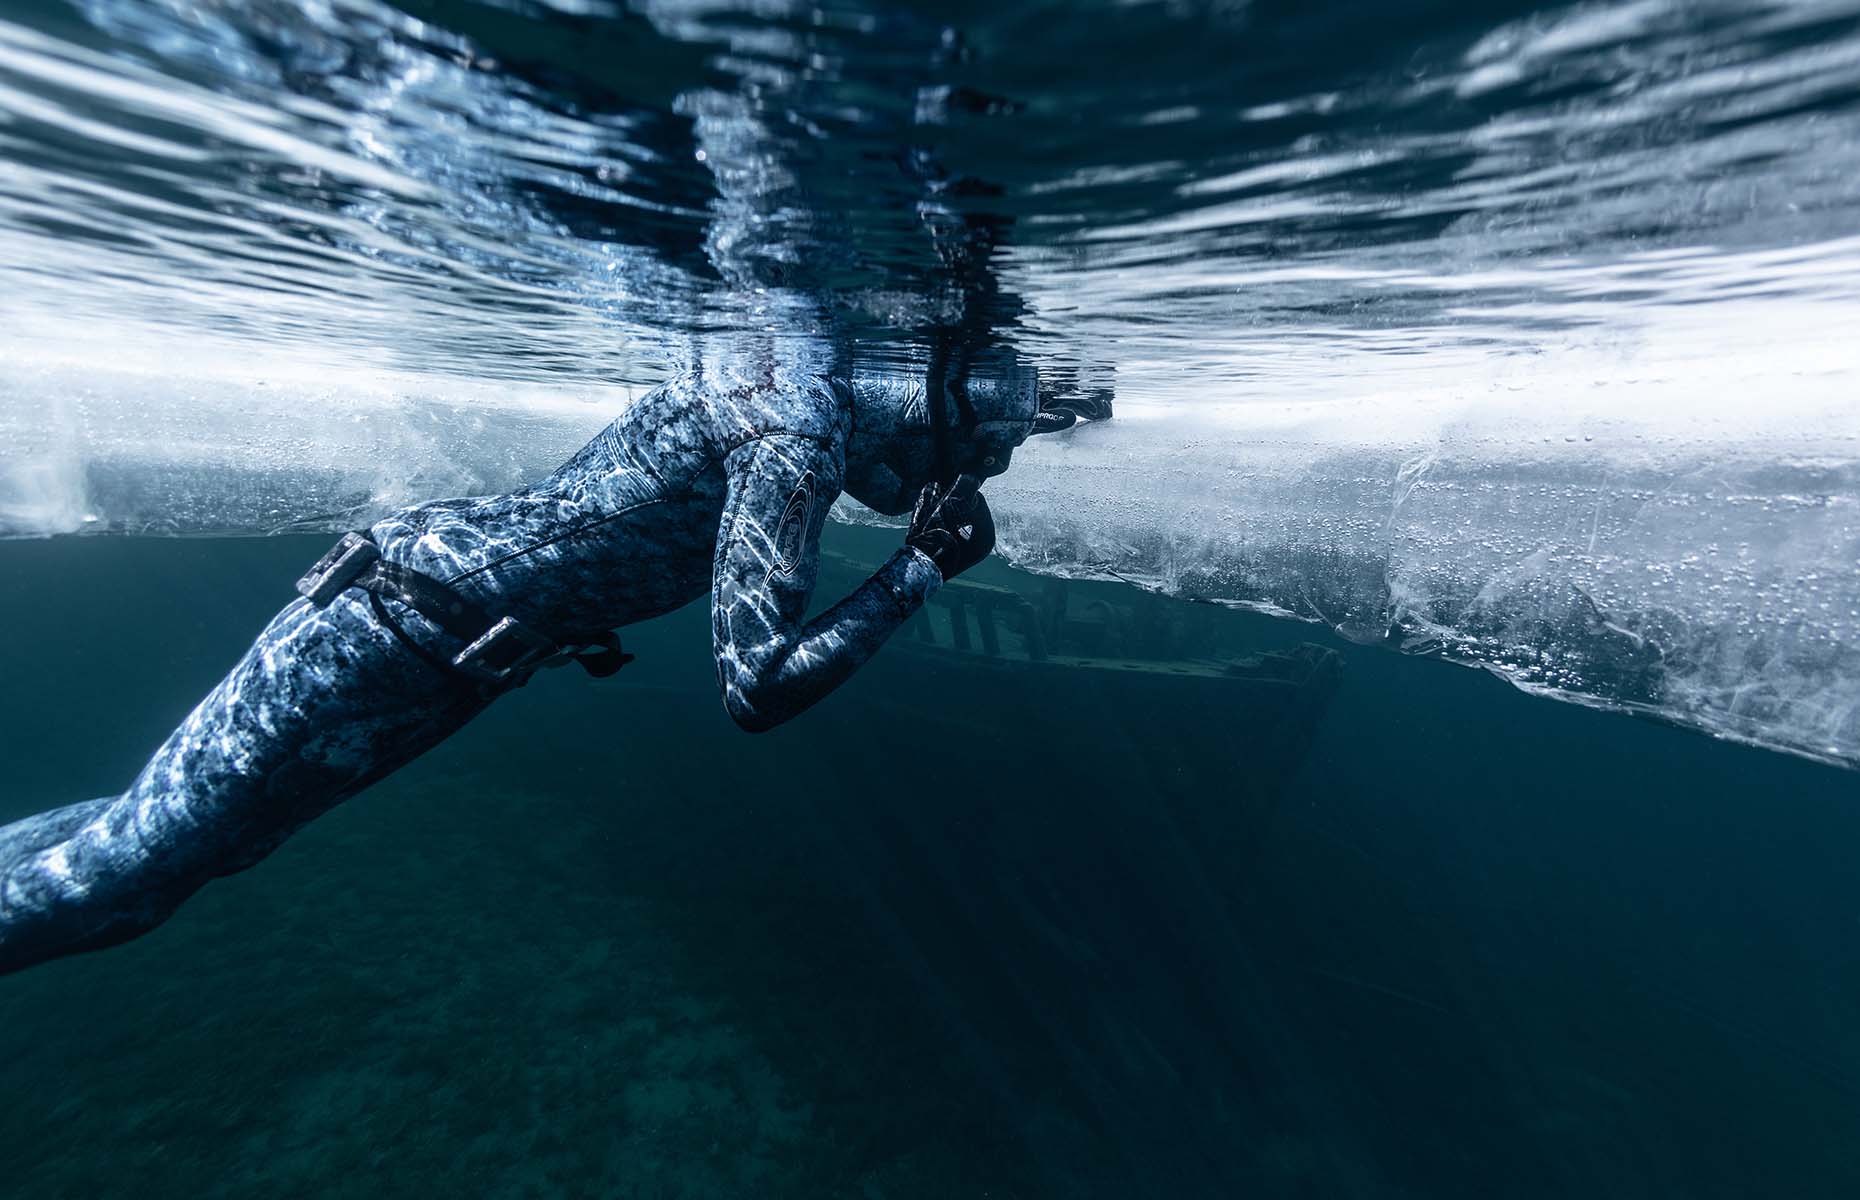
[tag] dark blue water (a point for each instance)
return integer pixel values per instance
(1400, 931)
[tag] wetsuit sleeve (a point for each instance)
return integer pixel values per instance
(769, 664)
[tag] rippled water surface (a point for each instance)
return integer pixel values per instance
(1517, 332)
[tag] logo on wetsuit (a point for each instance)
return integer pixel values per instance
(791, 533)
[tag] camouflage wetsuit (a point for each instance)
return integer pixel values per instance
(713, 481)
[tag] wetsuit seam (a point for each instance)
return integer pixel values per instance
(728, 522)
(562, 537)
(824, 440)
(726, 525)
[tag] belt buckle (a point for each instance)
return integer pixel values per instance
(531, 650)
(339, 568)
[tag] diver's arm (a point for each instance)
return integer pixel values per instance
(769, 664)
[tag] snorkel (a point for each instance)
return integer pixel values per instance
(1011, 397)
(936, 398)
(951, 480)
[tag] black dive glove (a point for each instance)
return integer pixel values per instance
(953, 526)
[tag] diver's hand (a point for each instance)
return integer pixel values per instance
(952, 526)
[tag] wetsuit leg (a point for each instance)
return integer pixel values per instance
(323, 704)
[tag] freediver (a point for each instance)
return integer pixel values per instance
(720, 479)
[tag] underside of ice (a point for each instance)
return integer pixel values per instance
(1671, 528)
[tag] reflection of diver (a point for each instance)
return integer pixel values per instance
(716, 480)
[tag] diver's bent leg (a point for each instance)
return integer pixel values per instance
(324, 703)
